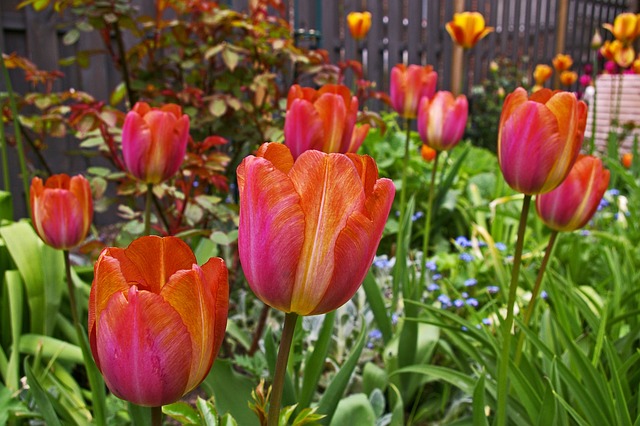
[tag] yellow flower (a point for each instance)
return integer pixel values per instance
(542, 73)
(467, 28)
(562, 62)
(624, 28)
(567, 78)
(359, 24)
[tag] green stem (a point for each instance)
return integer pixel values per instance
(131, 94)
(503, 366)
(147, 210)
(18, 136)
(290, 320)
(405, 166)
(156, 416)
(427, 222)
(5, 157)
(95, 380)
(534, 294)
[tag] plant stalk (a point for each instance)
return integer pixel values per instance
(534, 294)
(5, 157)
(147, 210)
(126, 77)
(290, 320)
(427, 222)
(156, 416)
(399, 271)
(503, 362)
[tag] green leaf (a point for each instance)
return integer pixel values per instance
(314, 364)
(208, 413)
(11, 405)
(378, 308)
(334, 392)
(354, 410)
(50, 347)
(71, 37)
(14, 292)
(230, 58)
(6, 206)
(182, 412)
(373, 377)
(118, 94)
(458, 379)
(479, 416)
(41, 397)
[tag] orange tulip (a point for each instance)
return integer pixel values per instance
(154, 141)
(567, 78)
(627, 160)
(636, 65)
(562, 62)
(573, 203)
(156, 319)
(359, 24)
(62, 210)
(442, 120)
(409, 85)
(624, 28)
(467, 28)
(539, 138)
(428, 153)
(608, 50)
(541, 74)
(309, 229)
(323, 120)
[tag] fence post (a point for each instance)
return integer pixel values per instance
(561, 34)
(457, 56)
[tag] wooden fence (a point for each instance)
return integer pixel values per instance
(409, 31)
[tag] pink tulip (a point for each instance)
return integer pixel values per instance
(539, 138)
(409, 85)
(323, 120)
(156, 319)
(442, 120)
(154, 141)
(309, 229)
(572, 204)
(62, 210)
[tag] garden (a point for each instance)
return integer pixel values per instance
(263, 236)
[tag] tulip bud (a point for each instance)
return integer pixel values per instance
(627, 160)
(156, 319)
(539, 138)
(442, 120)
(427, 153)
(154, 141)
(309, 228)
(62, 210)
(596, 40)
(573, 203)
(409, 85)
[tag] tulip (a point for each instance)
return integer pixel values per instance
(409, 85)
(585, 80)
(636, 66)
(323, 120)
(567, 78)
(154, 141)
(156, 319)
(467, 28)
(442, 120)
(539, 138)
(627, 160)
(573, 203)
(541, 74)
(428, 154)
(562, 62)
(309, 229)
(622, 55)
(624, 28)
(62, 210)
(596, 40)
(359, 24)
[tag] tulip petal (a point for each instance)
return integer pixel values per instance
(330, 191)
(332, 111)
(136, 144)
(143, 347)
(59, 218)
(278, 154)
(303, 128)
(271, 230)
(150, 262)
(194, 295)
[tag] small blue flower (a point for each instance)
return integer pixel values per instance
(472, 302)
(501, 246)
(493, 289)
(463, 241)
(486, 321)
(458, 303)
(375, 334)
(470, 282)
(464, 295)
(464, 328)
(603, 203)
(444, 300)
(417, 216)
(433, 287)
(466, 257)
(544, 295)
(436, 277)
(394, 319)
(614, 192)
(431, 265)
(585, 232)
(381, 262)
(397, 213)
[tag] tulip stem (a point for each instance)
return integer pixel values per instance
(503, 362)
(401, 262)
(534, 294)
(427, 222)
(156, 416)
(147, 210)
(95, 381)
(290, 320)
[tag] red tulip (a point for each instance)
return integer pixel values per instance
(323, 120)
(62, 210)
(409, 85)
(573, 203)
(309, 229)
(442, 120)
(154, 141)
(156, 319)
(539, 138)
